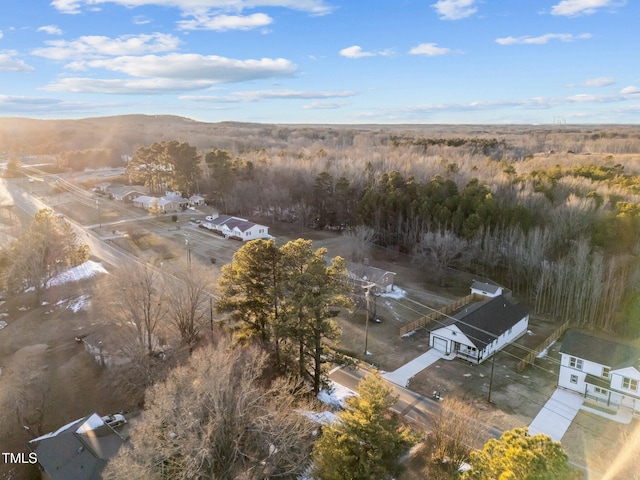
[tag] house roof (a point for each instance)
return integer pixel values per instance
(368, 273)
(482, 322)
(599, 350)
(485, 287)
(233, 222)
(125, 189)
(79, 450)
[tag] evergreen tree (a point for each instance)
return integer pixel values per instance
(367, 441)
(520, 456)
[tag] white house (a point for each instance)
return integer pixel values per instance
(481, 329)
(486, 289)
(238, 228)
(605, 372)
(168, 203)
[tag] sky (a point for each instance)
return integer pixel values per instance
(324, 61)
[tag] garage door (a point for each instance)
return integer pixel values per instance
(440, 344)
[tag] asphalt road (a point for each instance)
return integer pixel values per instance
(411, 405)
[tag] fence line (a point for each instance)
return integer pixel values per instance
(531, 357)
(431, 317)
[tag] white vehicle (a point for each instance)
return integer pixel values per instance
(210, 218)
(114, 421)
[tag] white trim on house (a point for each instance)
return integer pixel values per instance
(479, 331)
(237, 227)
(603, 371)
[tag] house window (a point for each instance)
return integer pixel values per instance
(630, 383)
(599, 390)
(574, 379)
(605, 372)
(575, 363)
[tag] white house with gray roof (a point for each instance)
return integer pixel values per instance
(605, 372)
(481, 329)
(237, 228)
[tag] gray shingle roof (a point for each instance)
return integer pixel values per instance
(482, 322)
(600, 350)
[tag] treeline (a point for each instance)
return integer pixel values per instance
(519, 223)
(90, 158)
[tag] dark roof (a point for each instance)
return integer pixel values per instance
(482, 322)
(600, 350)
(80, 450)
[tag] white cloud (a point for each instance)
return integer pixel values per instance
(429, 49)
(99, 46)
(627, 91)
(542, 39)
(284, 94)
(315, 7)
(195, 66)
(226, 22)
(50, 29)
(355, 51)
(572, 8)
(148, 86)
(8, 63)
(598, 82)
(455, 9)
(324, 105)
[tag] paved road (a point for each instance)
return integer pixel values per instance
(411, 405)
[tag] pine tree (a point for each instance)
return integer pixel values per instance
(518, 455)
(367, 440)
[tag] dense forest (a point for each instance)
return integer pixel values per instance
(552, 212)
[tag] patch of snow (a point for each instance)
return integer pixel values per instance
(80, 303)
(30, 289)
(4, 314)
(467, 375)
(336, 396)
(23, 308)
(81, 272)
(529, 332)
(545, 352)
(45, 303)
(3, 324)
(408, 334)
(396, 293)
(325, 417)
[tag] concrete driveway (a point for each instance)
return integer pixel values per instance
(557, 414)
(402, 375)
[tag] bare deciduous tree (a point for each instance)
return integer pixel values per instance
(137, 301)
(456, 431)
(211, 419)
(189, 303)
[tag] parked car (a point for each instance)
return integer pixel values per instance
(210, 218)
(114, 421)
(195, 220)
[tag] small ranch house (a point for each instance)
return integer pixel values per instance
(125, 193)
(365, 274)
(237, 228)
(605, 372)
(481, 329)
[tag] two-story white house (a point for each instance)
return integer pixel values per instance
(605, 372)
(481, 329)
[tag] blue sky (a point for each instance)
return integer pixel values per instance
(323, 61)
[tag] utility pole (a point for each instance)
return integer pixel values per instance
(493, 362)
(367, 297)
(211, 313)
